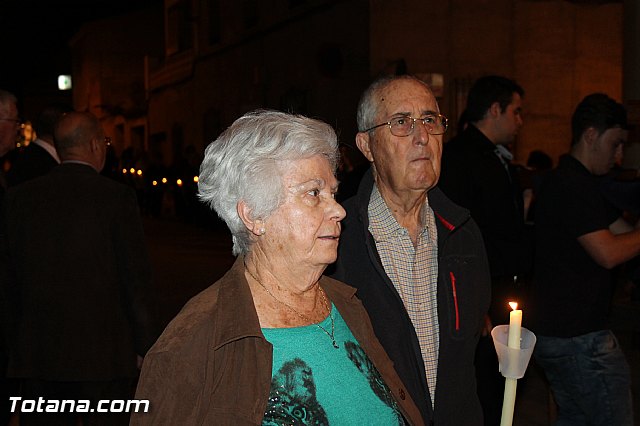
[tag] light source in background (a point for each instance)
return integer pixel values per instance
(28, 134)
(64, 82)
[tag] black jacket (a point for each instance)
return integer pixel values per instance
(32, 162)
(463, 299)
(473, 177)
(75, 272)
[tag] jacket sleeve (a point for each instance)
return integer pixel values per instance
(169, 388)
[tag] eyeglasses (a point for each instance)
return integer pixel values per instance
(436, 124)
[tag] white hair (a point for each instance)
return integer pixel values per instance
(247, 162)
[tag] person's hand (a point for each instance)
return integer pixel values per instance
(488, 326)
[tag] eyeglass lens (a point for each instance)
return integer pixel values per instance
(403, 126)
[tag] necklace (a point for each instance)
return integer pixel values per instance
(304, 317)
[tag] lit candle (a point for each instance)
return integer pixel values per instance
(515, 326)
(510, 385)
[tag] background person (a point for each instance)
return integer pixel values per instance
(579, 239)
(9, 122)
(273, 341)
(9, 127)
(40, 156)
(416, 259)
(477, 174)
(74, 267)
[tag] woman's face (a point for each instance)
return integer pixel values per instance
(305, 229)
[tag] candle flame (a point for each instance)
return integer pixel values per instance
(514, 305)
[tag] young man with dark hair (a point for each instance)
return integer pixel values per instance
(477, 174)
(580, 238)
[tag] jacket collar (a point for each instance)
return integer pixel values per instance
(448, 214)
(75, 166)
(473, 136)
(236, 315)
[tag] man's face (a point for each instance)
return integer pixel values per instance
(606, 148)
(410, 163)
(509, 121)
(9, 127)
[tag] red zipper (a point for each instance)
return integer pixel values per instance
(455, 299)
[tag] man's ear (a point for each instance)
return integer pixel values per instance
(494, 110)
(590, 136)
(256, 226)
(363, 142)
(94, 144)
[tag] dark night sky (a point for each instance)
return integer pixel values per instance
(34, 36)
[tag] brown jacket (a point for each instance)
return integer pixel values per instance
(212, 365)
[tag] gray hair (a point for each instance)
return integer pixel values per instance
(6, 99)
(368, 107)
(247, 161)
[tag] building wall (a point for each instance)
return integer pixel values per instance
(311, 59)
(108, 70)
(316, 56)
(558, 51)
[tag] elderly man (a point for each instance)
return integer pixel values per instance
(579, 238)
(75, 266)
(416, 258)
(9, 122)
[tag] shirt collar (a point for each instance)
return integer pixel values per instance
(49, 148)
(382, 223)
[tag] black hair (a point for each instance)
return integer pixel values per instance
(487, 90)
(539, 160)
(599, 111)
(46, 121)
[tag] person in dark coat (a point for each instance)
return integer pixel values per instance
(477, 174)
(580, 237)
(40, 156)
(416, 259)
(9, 127)
(74, 267)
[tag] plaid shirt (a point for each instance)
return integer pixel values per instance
(414, 273)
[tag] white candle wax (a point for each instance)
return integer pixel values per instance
(515, 328)
(510, 386)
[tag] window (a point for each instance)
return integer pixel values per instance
(179, 27)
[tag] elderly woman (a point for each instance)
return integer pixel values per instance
(273, 342)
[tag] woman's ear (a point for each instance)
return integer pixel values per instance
(255, 226)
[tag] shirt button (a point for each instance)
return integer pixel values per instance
(402, 395)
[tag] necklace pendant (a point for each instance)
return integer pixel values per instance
(335, 345)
